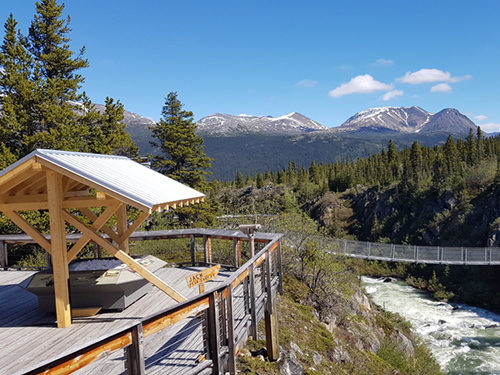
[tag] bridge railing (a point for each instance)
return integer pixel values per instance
(419, 254)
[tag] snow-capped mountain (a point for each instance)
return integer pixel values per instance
(220, 124)
(407, 120)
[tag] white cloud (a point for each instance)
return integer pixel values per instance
(425, 75)
(392, 94)
(430, 75)
(383, 62)
(306, 83)
(458, 79)
(442, 87)
(481, 117)
(490, 127)
(361, 84)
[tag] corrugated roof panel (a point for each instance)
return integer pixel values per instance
(120, 175)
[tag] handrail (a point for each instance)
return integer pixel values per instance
(209, 303)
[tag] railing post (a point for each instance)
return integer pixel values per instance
(134, 353)
(207, 248)
(485, 254)
(237, 252)
(271, 318)
(3, 255)
(213, 330)
(369, 249)
(461, 254)
(345, 246)
(279, 268)
(465, 255)
(230, 331)
(193, 250)
(253, 321)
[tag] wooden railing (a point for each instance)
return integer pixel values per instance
(220, 320)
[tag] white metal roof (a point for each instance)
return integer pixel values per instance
(117, 176)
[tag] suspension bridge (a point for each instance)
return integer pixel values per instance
(478, 256)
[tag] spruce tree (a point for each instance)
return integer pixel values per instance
(182, 157)
(240, 180)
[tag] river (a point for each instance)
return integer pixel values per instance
(465, 340)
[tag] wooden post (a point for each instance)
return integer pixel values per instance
(207, 248)
(214, 333)
(237, 252)
(55, 195)
(270, 316)
(134, 353)
(230, 331)
(122, 226)
(3, 255)
(193, 250)
(97, 250)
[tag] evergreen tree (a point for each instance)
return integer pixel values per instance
(240, 180)
(41, 105)
(107, 131)
(259, 181)
(182, 157)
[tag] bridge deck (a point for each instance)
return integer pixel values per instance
(28, 337)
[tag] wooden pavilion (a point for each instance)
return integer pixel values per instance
(60, 181)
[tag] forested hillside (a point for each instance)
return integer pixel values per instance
(441, 195)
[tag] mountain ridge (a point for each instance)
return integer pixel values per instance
(223, 124)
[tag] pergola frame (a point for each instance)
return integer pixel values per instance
(38, 183)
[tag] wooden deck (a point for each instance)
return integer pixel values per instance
(28, 337)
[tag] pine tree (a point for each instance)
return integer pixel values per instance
(182, 157)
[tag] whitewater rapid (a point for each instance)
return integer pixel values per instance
(464, 340)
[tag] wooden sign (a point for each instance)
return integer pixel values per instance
(202, 276)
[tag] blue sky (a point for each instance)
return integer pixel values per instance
(324, 59)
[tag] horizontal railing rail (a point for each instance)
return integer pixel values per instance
(226, 316)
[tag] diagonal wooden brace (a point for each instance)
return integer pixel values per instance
(29, 230)
(96, 226)
(124, 257)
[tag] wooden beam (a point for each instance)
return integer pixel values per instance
(121, 226)
(93, 217)
(59, 251)
(11, 176)
(19, 188)
(134, 226)
(29, 230)
(40, 202)
(124, 257)
(96, 226)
